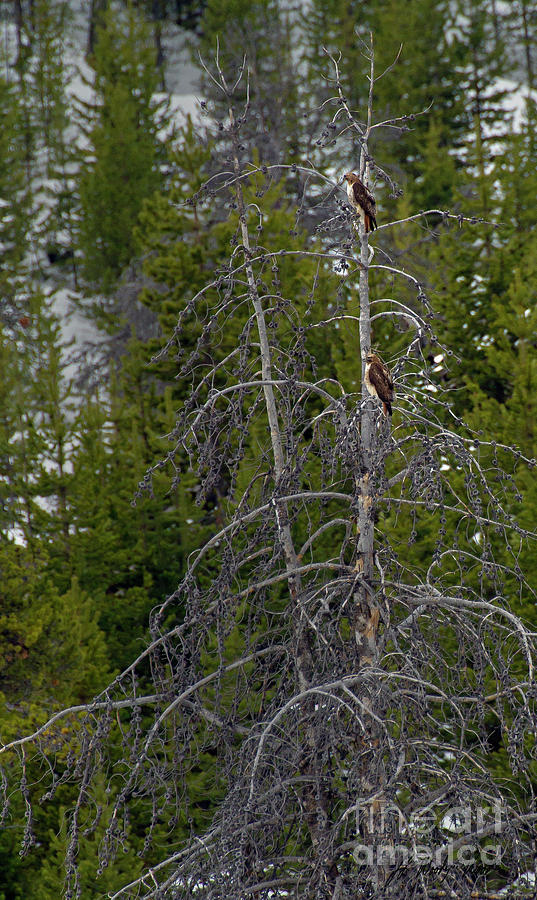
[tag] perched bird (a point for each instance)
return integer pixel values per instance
(379, 382)
(362, 200)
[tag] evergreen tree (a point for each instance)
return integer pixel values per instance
(460, 267)
(14, 197)
(50, 884)
(43, 73)
(413, 37)
(485, 66)
(47, 73)
(517, 25)
(125, 557)
(128, 149)
(51, 74)
(330, 673)
(430, 94)
(50, 625)
(78, 559)
(513, 360)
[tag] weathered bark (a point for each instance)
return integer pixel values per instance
(97, 8)
(316, 794)
(17, 11)
(366, 614)
(366, 620)
(528, 44)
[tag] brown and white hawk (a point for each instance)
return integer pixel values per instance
(379, 382)
(361, 198)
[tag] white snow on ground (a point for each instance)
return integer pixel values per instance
(516, 100)
(63, 307)
(183, 105)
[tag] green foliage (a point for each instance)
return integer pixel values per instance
(82, 567)
(127, 145)
(51, 879)
(45, 119)
(513, 366)
(126, 557)
(436, 170)
(46, 72)
(52, 650)
(428, 78)
(427, 73)
(14, 194)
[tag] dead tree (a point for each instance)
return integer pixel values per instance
(350, 690)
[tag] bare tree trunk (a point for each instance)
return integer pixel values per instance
(97, 7)
(315, 739)
(366, 620)
(17, 8)
(495, 19)
(158, 15)
(528, 43)
(366, 604)
(316, 799)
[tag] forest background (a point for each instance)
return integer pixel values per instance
(94, 185)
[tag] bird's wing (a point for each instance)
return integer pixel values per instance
(381, 380)
(364, 198)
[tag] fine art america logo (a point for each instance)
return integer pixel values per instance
(400, 840)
